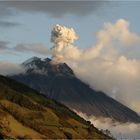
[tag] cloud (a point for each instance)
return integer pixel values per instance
(57, 8)
(118, 32)
(3, 45)
(35, 48)
(5, 11)
(105, 67)
(118, 130)
(7, 68)
(8, 24)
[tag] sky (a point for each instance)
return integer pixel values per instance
(31, 22)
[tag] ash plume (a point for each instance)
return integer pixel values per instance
(62, 37)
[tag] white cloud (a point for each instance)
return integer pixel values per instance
(117, 32)
(118, 130)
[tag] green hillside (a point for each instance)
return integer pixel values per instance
(26, 114)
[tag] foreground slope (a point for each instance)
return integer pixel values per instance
(58, 82)
(24, 113)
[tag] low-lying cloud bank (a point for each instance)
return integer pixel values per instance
(8, 68)
(37, 48)
(118, 130)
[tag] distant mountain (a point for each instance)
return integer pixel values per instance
(26, 114)
(58, 82)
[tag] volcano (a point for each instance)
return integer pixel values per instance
(58, 82)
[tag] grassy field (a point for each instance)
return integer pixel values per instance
(26, 114)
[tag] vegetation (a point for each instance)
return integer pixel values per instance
(26, 114)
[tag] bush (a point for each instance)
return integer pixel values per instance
(68, 135)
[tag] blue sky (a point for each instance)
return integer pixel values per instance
(34, 26)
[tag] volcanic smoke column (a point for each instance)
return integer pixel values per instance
(62, 37)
